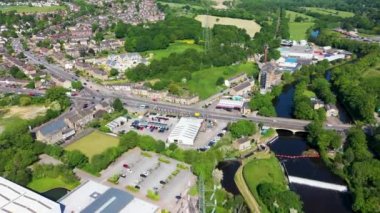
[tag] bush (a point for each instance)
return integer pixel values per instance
(164, 160)
(132, 189)
(153, 195)
(146, 154)
(182, 166)
(114, 179)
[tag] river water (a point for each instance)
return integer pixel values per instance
(315, 200)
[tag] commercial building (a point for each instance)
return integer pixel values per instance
(95, 197)
(186, 131)
(120, 121)
(242, 144)
(15, 198)
(230, 104)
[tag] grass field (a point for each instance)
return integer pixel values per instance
(259, 171)
(27, 112)
(27, 9)
(324, 11)
(94, 143)
(177, 47)
(45, 184)
(298, 29)
(179, 5)
(203, 82)
(249, 25)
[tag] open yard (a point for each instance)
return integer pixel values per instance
(259, 171)
(27, 112)
(46, 184)
(324, 11)
(177, 47)
(203, 82)
(298, 29)
(27, 9)
(249, 25)
(94, 143)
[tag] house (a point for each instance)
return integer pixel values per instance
(54, 131)
(235, 80)
(105, 106)
(242, 144)
(243, 88)
(188, 100)
(331, 110)
(317, 103)
(80, 118)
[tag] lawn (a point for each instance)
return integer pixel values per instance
(46, 184)
(259, 171)
(94, 143)
(249, 25)
(27, 9)
(177, 47)
(324, 11)
(25, 112)
(203, 82)
(298, 29)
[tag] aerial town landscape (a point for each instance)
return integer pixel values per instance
(187, 106)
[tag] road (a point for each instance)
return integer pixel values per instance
(98, 91)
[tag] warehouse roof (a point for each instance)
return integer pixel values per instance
(96, 197)
(187, 127)
(15, 198)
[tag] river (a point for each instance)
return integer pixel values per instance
(315, 200)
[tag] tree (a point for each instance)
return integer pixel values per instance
(77, 85)
(75, 159)
(118, 105)
(58, 94)
(220, 81)
(121, 30)
(242, 128)
(114, 72)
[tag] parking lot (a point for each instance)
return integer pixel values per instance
(151, 124)
(144, 171)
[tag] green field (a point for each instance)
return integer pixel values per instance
(177, 47)
(27, 9)
(324, 11)
(203, 82)
(259, 171)
(292, 15)
(298, 30)
(179, 5)
(45, 184)
(94, 143)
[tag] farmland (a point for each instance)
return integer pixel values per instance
(298, 29)
(249, 25)
(324, 11)
(203, 82)
(94, 143)
(28, 9)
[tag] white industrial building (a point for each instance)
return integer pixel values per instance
(93, 197)
(186, 131)
(118, 122)
(230, 104)
(15, 198)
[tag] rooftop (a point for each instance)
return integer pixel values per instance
(15, 198)
(95, 197)
(187, 127)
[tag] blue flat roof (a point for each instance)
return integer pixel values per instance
(113, 200)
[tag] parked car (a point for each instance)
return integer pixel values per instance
(163, 182)
(126, 166)
(123, 175)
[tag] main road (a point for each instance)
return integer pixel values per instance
(95, 90)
